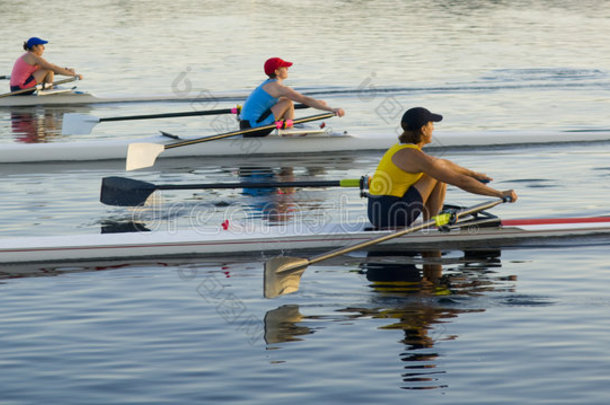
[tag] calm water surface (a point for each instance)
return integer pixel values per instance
(516, 326)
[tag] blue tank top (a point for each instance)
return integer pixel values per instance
(257, 103)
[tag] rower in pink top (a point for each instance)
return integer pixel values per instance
(32, 69)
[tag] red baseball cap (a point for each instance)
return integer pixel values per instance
(275, 63)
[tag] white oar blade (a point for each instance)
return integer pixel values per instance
(141, 155)
(76, 124)
(283, 275)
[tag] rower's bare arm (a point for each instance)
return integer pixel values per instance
(450, 173)
(444, 171)
(468, 172)
(44, 64)
(294, 95)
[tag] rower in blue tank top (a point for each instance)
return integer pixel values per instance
(273, 101)
(257, 108)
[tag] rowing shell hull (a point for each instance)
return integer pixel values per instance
(117, 149)
(83, 98)
(273, 240)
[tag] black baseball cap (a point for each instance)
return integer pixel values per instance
(417, 117)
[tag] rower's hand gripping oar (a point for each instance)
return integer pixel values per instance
(38, 87)
(123, 191)
(140, 155)
(75, 124)
(283, 273)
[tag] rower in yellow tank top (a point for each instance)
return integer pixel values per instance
(389, 179)
(408, 182)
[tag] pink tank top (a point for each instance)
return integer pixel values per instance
(21, 71)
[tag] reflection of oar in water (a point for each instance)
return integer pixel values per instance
(37, 87)
(129, 192)
(74, 123)
(140, 155)
(283, 273)
(281, 325)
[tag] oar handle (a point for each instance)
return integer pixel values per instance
(245, 131)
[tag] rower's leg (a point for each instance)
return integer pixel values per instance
(432, 193)
(283, 109)
(44, 76)
(436, 200)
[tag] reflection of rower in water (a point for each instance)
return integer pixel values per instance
(273, 101)
(420, 319)
(31, 127)
(275, 204)
(31, 68)
(387, 275)
(413, 299)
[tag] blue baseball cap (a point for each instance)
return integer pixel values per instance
(35, 41)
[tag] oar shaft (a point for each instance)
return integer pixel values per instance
(219, 111)
(15, 93)
(312, 183)
(71, 79)
(426, 224)
(169, 115)
(124, 191)
(245, 131)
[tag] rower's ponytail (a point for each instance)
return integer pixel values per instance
(25, 46)
(411, 137)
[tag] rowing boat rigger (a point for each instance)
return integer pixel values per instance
(482, 231)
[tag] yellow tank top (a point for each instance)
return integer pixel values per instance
(389, 179)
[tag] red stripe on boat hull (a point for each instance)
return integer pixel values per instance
(551, 221)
